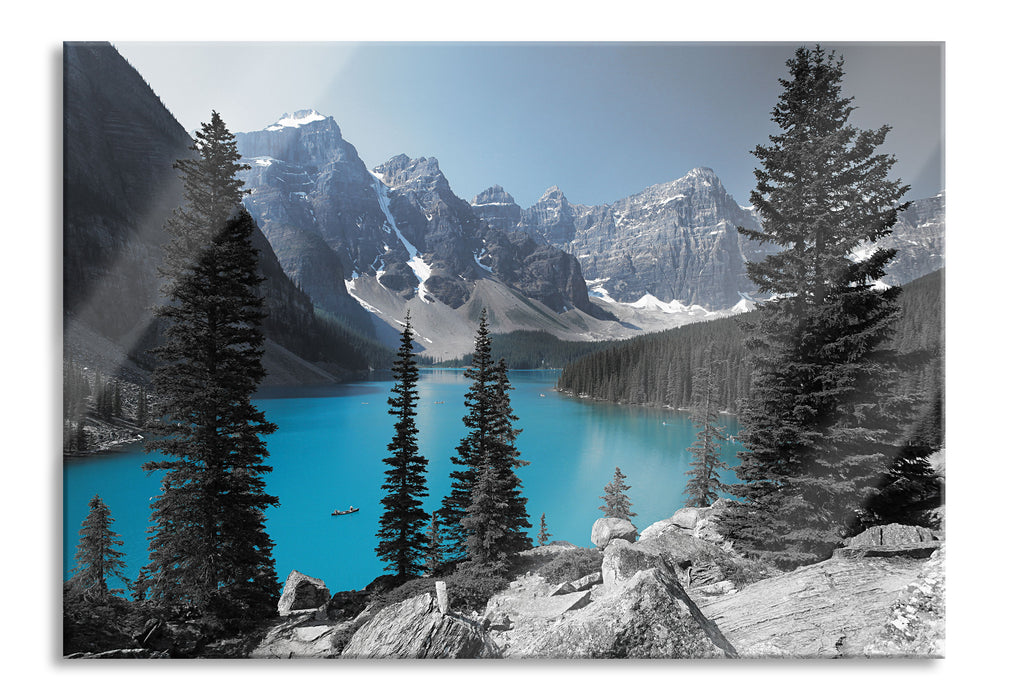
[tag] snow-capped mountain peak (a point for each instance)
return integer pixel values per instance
(296, 119)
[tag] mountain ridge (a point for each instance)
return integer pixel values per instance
(120, 185)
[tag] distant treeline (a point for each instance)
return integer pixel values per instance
(532, 350)
(656, 369)
(334, 340)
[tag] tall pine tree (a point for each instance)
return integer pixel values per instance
(208, 545)
(703, 483)
(402, 542)
(818, 431)
(506, 459)
(433, 558)
(491, 527)
(98, 557)
(473, 446)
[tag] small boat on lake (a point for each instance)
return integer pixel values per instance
(350, 510)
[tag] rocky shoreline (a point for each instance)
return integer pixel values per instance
(677, 590)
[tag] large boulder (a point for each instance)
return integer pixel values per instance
(302, 594)
(891, 535)
(826, 610)
(701, 523)
(302, 637)
(417, 629)
(697, 562)
(622, 560)
(647, 615)
(892, 540)
(687, 518)
(605, 530)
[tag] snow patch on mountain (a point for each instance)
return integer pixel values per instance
(742, 306)
(295, 120)
(651, 303)
(350, 284)
(479, 256)
(421, 270)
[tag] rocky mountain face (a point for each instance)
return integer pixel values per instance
(675, 241)
(678, 243)
(119, 188)
(920, 239)
(333, 222)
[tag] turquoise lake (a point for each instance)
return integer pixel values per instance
(327, 454)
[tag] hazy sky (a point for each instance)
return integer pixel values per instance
(599, 120)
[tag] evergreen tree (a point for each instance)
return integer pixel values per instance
(103, 398)
(433, 559)
(208, 545)
(81, 441)
(402, 542)
(75, 391)
(616, 502)
(97, 556)
(703, 483)
(484, 522)
(505, 459)
(488, 454)
(543, 537)
(473, 447)
(141, 418)
(117, 399)
(818, 428)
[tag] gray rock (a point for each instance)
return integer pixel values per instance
(563, 589)
(919, 550)
(441, 592)
(300, 637)
(588, 581)
(605, 530)
(694, 560)
(891, 535)
(416, 629)
(687, 518)
(713, 589)
(549, 607)
(656, 529)
(824, 610)
(647, 616)
(302, 593)
(916, 624)
(120, 654)
(622, 560)
(499, 622)
(707, 530)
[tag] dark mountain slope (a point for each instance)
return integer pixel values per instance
(119, 187)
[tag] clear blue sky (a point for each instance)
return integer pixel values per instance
(599, 120)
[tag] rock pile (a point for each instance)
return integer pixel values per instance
(669, 594)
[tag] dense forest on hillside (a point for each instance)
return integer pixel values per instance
(656, 369)
(533, 350)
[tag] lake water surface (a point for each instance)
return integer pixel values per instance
(327, 454)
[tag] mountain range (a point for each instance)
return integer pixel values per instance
(363, 246)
